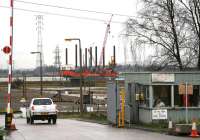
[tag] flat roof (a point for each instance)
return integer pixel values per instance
(178, 72)
(163, 77)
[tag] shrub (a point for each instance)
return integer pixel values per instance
(16, 84)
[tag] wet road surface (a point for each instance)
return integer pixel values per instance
(66, 129)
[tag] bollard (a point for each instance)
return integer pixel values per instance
(9, 125)
(170, 127)
(8, 120)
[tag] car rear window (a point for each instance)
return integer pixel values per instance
(42, 102)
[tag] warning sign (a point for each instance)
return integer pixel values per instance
(190, 89)
(159, 114)
(6, 49)
(182, 89)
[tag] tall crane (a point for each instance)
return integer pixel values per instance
(104, 42)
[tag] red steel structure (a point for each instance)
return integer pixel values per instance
(107, 72)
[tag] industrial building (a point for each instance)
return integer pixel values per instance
(143, 89)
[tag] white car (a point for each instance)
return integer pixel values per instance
(41, 109)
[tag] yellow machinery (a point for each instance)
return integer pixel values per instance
(121, 112)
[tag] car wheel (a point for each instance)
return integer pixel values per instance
(32, 120)
(54, 120)
(27, 120)
(49, 121)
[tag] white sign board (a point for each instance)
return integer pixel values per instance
(159, 114)
(89, 109)
(162, 77)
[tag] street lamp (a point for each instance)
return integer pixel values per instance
(41, 75)
(81, 72)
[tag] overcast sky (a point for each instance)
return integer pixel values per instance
(56, 28)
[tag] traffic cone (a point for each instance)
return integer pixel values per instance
(194, 132)
(12, 126)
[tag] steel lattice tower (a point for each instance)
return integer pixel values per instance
(39, 28)
(57, 62)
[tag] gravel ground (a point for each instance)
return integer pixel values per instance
(69, 104)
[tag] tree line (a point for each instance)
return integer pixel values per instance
(47, 71)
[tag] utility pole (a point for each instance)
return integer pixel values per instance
(24, 86)
(81, 80)
(41, 72)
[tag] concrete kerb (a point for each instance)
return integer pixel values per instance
(90, 121)
(162, 131)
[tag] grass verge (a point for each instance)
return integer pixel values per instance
(2, 132)
(89, 117)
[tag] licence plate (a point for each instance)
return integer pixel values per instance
(44, 113)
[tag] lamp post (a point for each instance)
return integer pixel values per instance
(81, 71)
(41, 75)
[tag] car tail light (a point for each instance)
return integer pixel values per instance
(32, 108)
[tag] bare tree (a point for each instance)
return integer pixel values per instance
(193, 19)
(161, 25)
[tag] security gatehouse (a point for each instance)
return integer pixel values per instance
(159, 96)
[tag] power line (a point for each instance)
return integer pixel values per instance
(63, 15)
(75, 9)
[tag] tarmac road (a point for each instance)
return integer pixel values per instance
(66, 129)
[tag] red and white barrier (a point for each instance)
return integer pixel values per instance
(10, 58)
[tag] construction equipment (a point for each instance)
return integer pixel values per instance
(94, 71)
(102, 59)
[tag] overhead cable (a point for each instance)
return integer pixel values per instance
(75, 9)
(63, 15)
